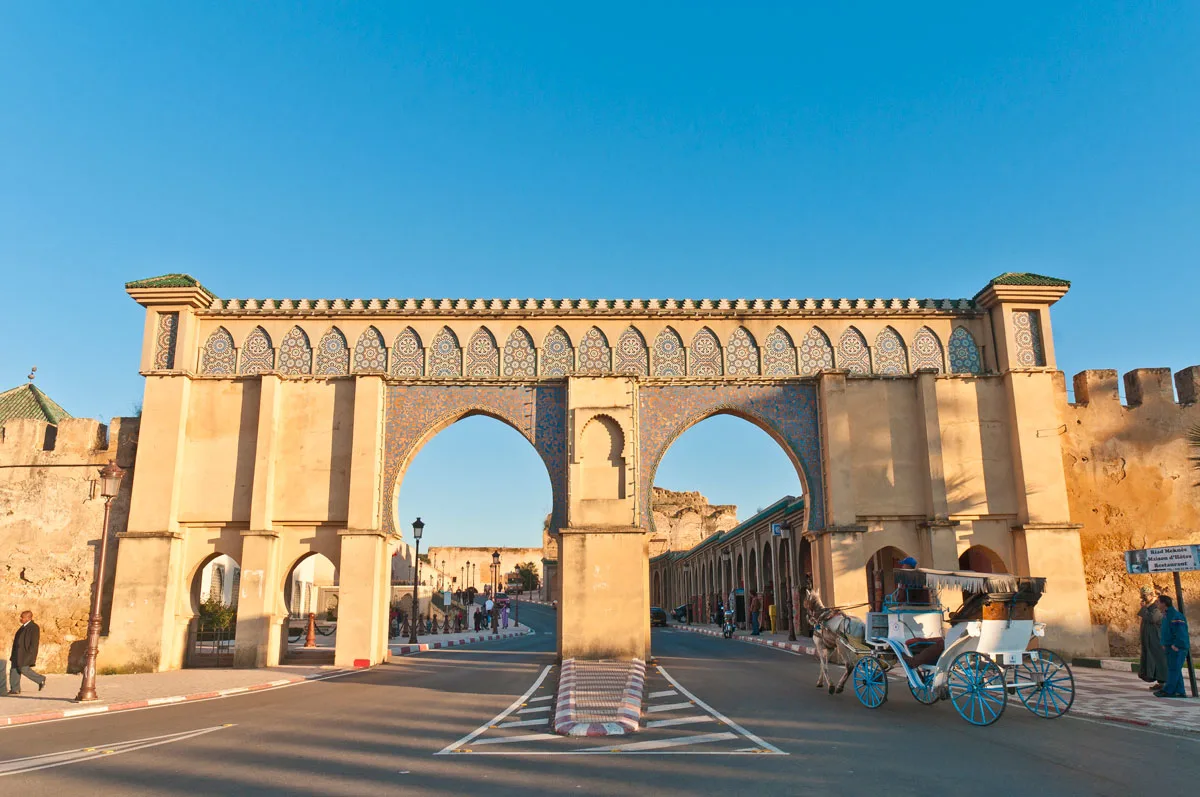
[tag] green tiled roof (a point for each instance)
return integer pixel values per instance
(27, 401)
(167, 281)
(1025, 278)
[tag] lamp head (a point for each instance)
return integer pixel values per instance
(110, 479)
(418, 527)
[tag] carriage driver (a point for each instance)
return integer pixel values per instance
(931, 648)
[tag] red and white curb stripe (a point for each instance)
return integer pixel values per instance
(421, 647)
(629, 708)
(795, 647)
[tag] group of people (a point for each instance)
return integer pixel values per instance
(1165, 642)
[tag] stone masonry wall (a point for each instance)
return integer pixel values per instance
(51, 513)
(683, 519)
(1130, 485)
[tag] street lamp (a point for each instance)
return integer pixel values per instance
(418, 528)
(110, 485)
(495, 590)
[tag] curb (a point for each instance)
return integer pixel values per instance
(794, 647)
(421, 647)
(629, 711)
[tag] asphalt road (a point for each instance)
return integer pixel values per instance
(379, 731)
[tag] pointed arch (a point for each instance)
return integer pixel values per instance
(741, 354)
(333, 354)
(890, 357)
(370, 352)
(257, 354)
(445, 358)
(295, 353)
(520, 356)
(595, 355)
(633, 357)
(483, 355)
(557, 358)
(964, 353)
(220, 357)
(816, 353)
(669, 357)
(927, 351)
(408, 356)
(779, 355)
(704, 355)
(853, 354)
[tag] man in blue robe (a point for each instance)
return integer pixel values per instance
(1176, 642)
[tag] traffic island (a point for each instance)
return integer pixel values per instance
(599, 698)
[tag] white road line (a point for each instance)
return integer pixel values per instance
(539, 699)
(663, 693)
(667, 707)
(529, 737)
(535, 710)
(662, 671)
(18, 766)
(496, 720)
(678, 741)
(524, 723)
(678, 721)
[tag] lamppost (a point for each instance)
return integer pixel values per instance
(418, 527)
(495, 580)
(110, 485)
(467, 584)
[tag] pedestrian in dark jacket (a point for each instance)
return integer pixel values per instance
(1175, 641)
(1152, 666)
(24, 655)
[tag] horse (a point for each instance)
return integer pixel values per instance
(833, 628)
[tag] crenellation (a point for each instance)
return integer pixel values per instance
(1148, 386)
(1187, 384)
(1096, 386)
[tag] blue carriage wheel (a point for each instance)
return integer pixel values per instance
(977, 688)
(1045, 685)
(870, 682)
(924, 693)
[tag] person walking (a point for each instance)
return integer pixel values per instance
(24, 655)
(1176, 642)
(1152, 666)
(756, 604)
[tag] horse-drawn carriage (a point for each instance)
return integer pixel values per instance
(984, 657)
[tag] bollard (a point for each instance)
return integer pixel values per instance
(311, 640)
(446, 625)
(404, 626)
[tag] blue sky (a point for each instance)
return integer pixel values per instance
(680, 149)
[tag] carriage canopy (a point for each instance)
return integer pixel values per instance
(970, 581)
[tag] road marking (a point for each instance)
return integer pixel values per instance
(662, 671)
(678, 721)
(678, 741)
(529, 737)
(539, 699)
(496, 720)
(663, 693)
(524, 723)
(17, 766)
(534, 710)
(667, 707)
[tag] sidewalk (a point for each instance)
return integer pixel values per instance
(1102, 694)
(400, 647)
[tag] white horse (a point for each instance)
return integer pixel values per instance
(833, 629)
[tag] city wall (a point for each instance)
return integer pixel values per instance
(456, 559)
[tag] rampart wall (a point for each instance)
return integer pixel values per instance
(456, 559)
(51, 513)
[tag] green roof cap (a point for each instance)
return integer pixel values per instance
(167, 281)
(1025, 278)
(27, 401)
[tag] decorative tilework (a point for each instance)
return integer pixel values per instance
(557, 357)
(704, 356)
(333, 354)
(414, 414)
(927, 351)
(220, 358)
(890, 357)
(786, 411)
(483, 356)
(520, 357)
(964, 354)
(164, 342)
(853, 354)
(257, 357)
(295, 353)
(741, 354)
(816, 353)
(1027, 331)
(370, 352)
(408, 356)
(669, 357)
(445, 356)
(779, 355)
(632, 354)
(595, 356)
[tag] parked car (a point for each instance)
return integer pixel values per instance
(682, 613)
(657, 616)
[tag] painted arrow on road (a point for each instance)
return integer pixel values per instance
(17, 766)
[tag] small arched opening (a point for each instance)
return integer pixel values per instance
(981, 559)
(212, 630)
(881, 580)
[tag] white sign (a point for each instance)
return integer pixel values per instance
(446, 598)
(1174, 559)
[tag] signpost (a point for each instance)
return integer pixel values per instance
(1173, 559)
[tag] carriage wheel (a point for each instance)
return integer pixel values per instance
(977, 688)
(1045, 685)
(924, 693)
(870, 682)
